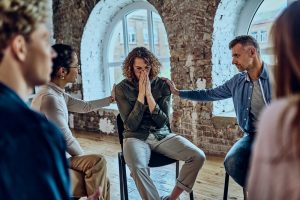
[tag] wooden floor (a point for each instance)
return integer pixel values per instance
(209, 184)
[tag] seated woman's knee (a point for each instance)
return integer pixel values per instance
(97, 161)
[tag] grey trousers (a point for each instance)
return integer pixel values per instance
(137, 156)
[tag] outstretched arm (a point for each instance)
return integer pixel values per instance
(80, 106)
(214, 94)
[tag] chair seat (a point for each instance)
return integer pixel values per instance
(158, 160)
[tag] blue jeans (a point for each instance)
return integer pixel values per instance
(237, 159)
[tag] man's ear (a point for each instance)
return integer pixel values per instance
(252, 51)
(19, 48)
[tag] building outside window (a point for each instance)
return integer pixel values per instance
(254, 34)
(263, 36)
(131, 35)
(261, 25)
(145, 35)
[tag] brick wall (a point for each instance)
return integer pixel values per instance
(190, 27)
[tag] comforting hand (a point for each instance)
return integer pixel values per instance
(172, 86)
(113, 93)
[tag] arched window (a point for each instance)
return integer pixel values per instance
(246, 17)
(261, 24)
(137, 24)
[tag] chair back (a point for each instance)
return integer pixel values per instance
(120, 127)
(156, 159)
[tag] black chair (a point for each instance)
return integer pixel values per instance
(225, 194)
(156, 160)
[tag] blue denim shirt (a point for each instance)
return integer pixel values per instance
(240, 88)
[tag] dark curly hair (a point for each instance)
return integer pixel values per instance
(147, 56)
(64, 58)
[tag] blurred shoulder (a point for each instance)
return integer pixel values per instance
(270, 118)
(274, 109)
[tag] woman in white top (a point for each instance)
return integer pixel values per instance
(275, 168)
(54, 102)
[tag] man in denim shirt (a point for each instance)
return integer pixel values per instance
(250, 90)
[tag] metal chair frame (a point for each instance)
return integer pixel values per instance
(156, 160)
(226, 183)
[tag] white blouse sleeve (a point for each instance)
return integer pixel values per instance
(53, 110)
(80, 106)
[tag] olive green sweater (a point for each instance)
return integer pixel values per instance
(138, 121)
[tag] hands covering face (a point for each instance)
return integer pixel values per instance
(144, 84)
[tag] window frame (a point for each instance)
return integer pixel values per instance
(247, 15)
(121, 15)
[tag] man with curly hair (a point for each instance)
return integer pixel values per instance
(33, 163)
(143, 100)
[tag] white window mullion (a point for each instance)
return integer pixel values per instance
(125, 35)
(150, 29)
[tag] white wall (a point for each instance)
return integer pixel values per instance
(91, 50)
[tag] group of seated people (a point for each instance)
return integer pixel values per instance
(39, 152)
